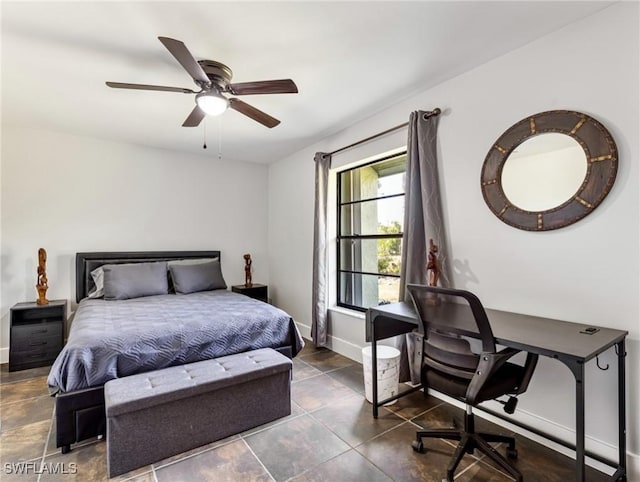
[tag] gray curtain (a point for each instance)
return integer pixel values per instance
(319, 302)
(423, 220)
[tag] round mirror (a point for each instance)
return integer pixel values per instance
(543, 172)
(549, 170)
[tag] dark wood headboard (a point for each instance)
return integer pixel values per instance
(87, 262)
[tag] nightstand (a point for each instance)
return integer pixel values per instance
(257, 291)
(36, 334)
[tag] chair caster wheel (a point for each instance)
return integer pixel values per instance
(417, 446)
(512, 453)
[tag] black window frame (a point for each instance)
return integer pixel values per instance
(340, 237)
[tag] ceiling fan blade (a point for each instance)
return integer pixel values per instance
(282, 86)
(194, 118)
(252, 112)
(182, 55)
(121, 85)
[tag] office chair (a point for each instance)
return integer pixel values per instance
(450, 366)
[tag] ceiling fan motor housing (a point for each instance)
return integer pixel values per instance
(218, 73)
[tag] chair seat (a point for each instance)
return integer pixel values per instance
(506, 380)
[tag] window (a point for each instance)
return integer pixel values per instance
(369, 232)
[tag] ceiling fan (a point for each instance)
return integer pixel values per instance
(213, 79)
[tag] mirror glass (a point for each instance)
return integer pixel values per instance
(544, 171)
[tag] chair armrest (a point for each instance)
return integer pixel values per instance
(529, 367)
(490, 362)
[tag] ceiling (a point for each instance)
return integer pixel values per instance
(349, 60)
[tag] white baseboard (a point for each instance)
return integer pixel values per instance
(633, 466)
(604, 449)
(304, 330)
(4, 355)
(343, 347)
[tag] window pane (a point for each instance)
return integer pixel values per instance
(381, 216)
(382, 178)
(389, 185)
(372, 255)
(366, 291)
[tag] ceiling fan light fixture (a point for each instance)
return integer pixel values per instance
(212, 103)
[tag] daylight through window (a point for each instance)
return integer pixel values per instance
(370, 225)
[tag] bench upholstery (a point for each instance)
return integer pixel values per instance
(155, 415)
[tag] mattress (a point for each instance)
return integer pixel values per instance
(113, 339)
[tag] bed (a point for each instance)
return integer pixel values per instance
(128, 325)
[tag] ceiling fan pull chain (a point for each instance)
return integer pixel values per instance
(219, 138)
(204, 134)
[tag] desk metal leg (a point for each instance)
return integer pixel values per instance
(374, 375)
(579, 375)
(622, 414)
(577, 368)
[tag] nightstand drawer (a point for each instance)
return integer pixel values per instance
(37, 343)
(36, 356)
(40, 313)
(256, 291)
(36, 331)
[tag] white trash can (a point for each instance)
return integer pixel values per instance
(388, 359)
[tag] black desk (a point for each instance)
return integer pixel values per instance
(561, 340)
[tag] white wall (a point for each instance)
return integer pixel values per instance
(588, 272)
(69, 194)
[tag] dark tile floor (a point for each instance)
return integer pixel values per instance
(329, 436)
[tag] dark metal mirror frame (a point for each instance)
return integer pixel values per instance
(602, 165)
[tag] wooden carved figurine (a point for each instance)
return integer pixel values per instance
(247, 271)
(433, 269)
(433, 273)
(42, 284)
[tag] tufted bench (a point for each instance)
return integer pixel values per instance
(154, 415)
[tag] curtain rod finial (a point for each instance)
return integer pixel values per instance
(433, 113)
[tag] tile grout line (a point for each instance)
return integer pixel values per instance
(28, 379)
(5, 404)
(257, 458)
(46, 442)
(415, 416)
(350, 447)
(187, 457)
(260, 430)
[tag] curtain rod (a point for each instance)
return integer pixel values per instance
(434, 112)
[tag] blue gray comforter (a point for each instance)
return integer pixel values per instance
(113, 339)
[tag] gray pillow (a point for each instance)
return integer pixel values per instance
(134, 280)
(190, 278)
(172, 288)
(191, 261)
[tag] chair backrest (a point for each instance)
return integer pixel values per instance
(446, 314)
(450, 311)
